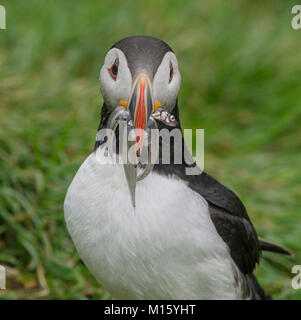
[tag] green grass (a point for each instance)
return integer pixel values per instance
(241, 69)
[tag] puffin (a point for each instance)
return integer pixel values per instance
(151, 230)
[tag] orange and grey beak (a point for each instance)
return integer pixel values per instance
(141, 106)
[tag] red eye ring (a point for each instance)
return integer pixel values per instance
(170, 72)
(114, 69)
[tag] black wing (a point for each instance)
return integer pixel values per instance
(230, 219)
(227, 213)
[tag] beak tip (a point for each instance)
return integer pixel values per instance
(133, 200)
(131, 178)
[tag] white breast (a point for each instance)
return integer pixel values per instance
(165, 248)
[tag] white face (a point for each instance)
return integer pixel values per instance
(114, 90)
(116, 86)
(167, 81)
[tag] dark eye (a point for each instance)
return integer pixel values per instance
(170, 72)
(114, 69)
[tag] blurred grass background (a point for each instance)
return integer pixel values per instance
(241, 81)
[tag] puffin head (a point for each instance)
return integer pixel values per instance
(140, 75)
